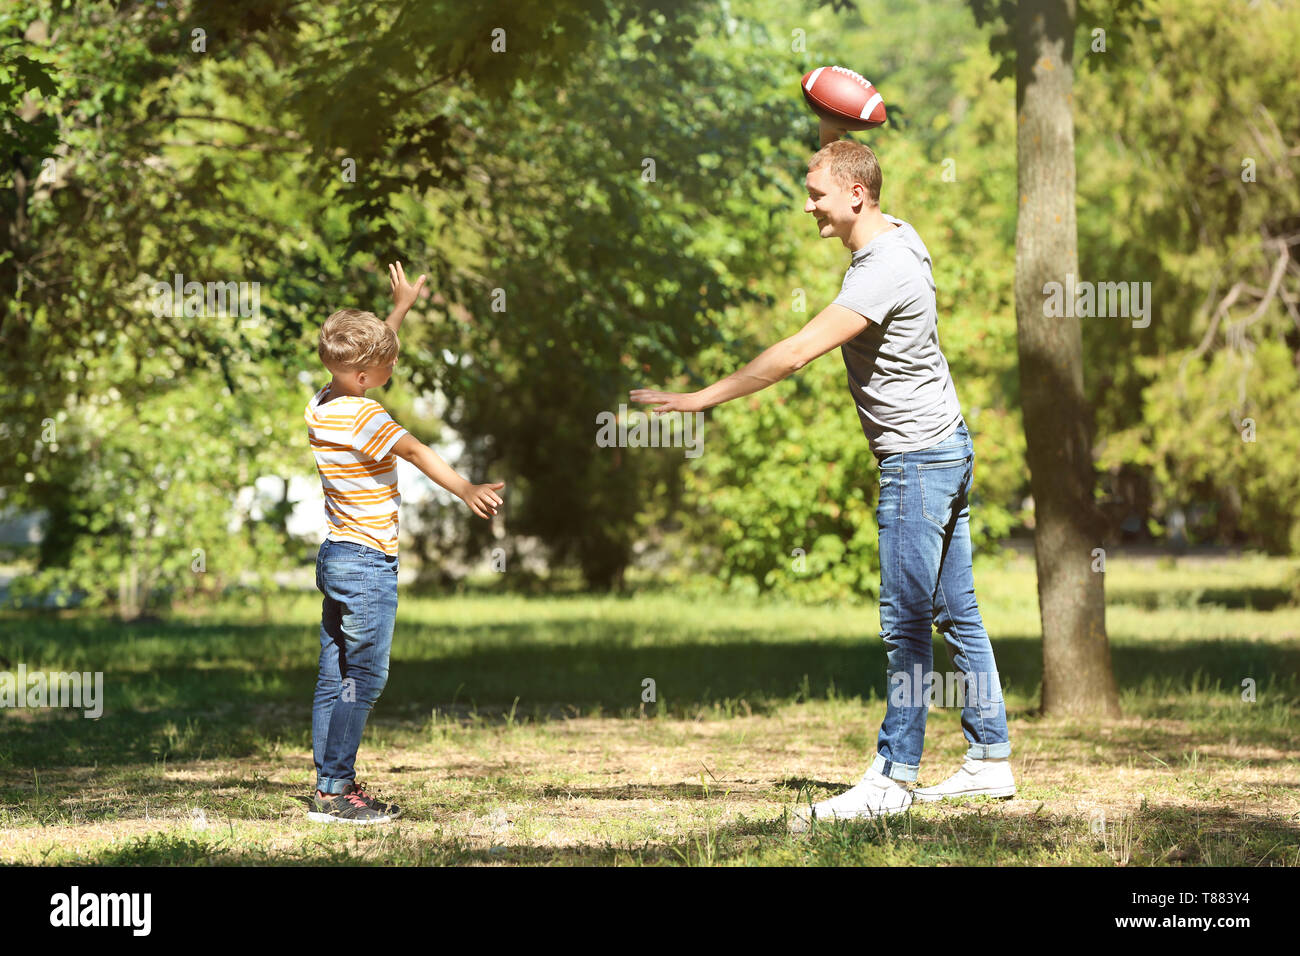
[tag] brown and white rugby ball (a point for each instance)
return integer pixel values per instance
(843, 98)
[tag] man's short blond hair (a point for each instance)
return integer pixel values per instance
(352, 341)
(850, 163)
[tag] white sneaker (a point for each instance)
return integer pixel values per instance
(875, 795)
(990, 777)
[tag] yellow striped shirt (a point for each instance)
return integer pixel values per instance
(352, 439)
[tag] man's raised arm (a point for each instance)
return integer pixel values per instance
(829, 133)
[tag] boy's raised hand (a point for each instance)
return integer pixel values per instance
(404, 294)
(483, 499)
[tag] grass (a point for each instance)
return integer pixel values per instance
(512, 731)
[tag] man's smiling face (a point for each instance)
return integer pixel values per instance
(835, 207)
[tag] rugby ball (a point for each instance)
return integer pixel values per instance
(843, 98)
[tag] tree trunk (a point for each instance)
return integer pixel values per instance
(1077, 674)
(128, 593)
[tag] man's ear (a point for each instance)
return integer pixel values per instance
(859, 198)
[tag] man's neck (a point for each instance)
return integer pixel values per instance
(872, 224)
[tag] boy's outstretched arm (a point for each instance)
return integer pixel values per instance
(828, 329)
(483, 500)
(404, 294)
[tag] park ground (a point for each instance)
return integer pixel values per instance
(513, 731)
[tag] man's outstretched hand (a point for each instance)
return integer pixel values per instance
(668, 401)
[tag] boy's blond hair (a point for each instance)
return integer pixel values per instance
(352, 341)
(850, 163)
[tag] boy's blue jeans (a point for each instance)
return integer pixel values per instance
(926, 579)
(356, 637)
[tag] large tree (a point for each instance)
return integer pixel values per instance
(1077, 673)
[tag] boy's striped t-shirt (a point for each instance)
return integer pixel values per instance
(352, 440)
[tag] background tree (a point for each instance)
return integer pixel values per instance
(1077, 672)
(215, 142)
(1039, 42)
(1191, 175)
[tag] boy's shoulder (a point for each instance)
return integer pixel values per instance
(354, 411)
(371, 404)
(372, 414)
(323, 409)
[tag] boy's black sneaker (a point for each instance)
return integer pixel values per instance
(391, 809)
(346, 807)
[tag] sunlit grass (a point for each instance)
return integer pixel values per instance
(513, 731)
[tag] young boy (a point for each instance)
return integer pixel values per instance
(886, 322)
(356, 445)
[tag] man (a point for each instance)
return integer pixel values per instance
(886, 322)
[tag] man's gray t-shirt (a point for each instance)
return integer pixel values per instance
(897, 374)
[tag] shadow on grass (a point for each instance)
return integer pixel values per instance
(1257, 598)
(672, 791)
(130, 794)
(207, 707)
(977, 835)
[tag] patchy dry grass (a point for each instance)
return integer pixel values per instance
(663, 790)
(518, 737)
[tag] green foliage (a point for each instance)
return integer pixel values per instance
(1189, 181)
(1247, 467)
(787, 486)
(152, 509)
(614, 271)
(167, 163)
(523, 171)
(238, 171)
(22, 77)
(787, 492)
(1121, 17)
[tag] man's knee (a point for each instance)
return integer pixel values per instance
(948, 612)
(374, 685)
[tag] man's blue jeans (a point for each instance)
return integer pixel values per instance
(926, 579)
(356, 637)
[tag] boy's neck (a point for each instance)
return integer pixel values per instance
(337, 389)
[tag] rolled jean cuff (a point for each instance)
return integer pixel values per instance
(989, 751)
(331, 786)
(903, 772)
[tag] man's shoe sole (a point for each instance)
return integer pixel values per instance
(1003, 793)
(316, 817)
(863, 815)
(801, 822)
